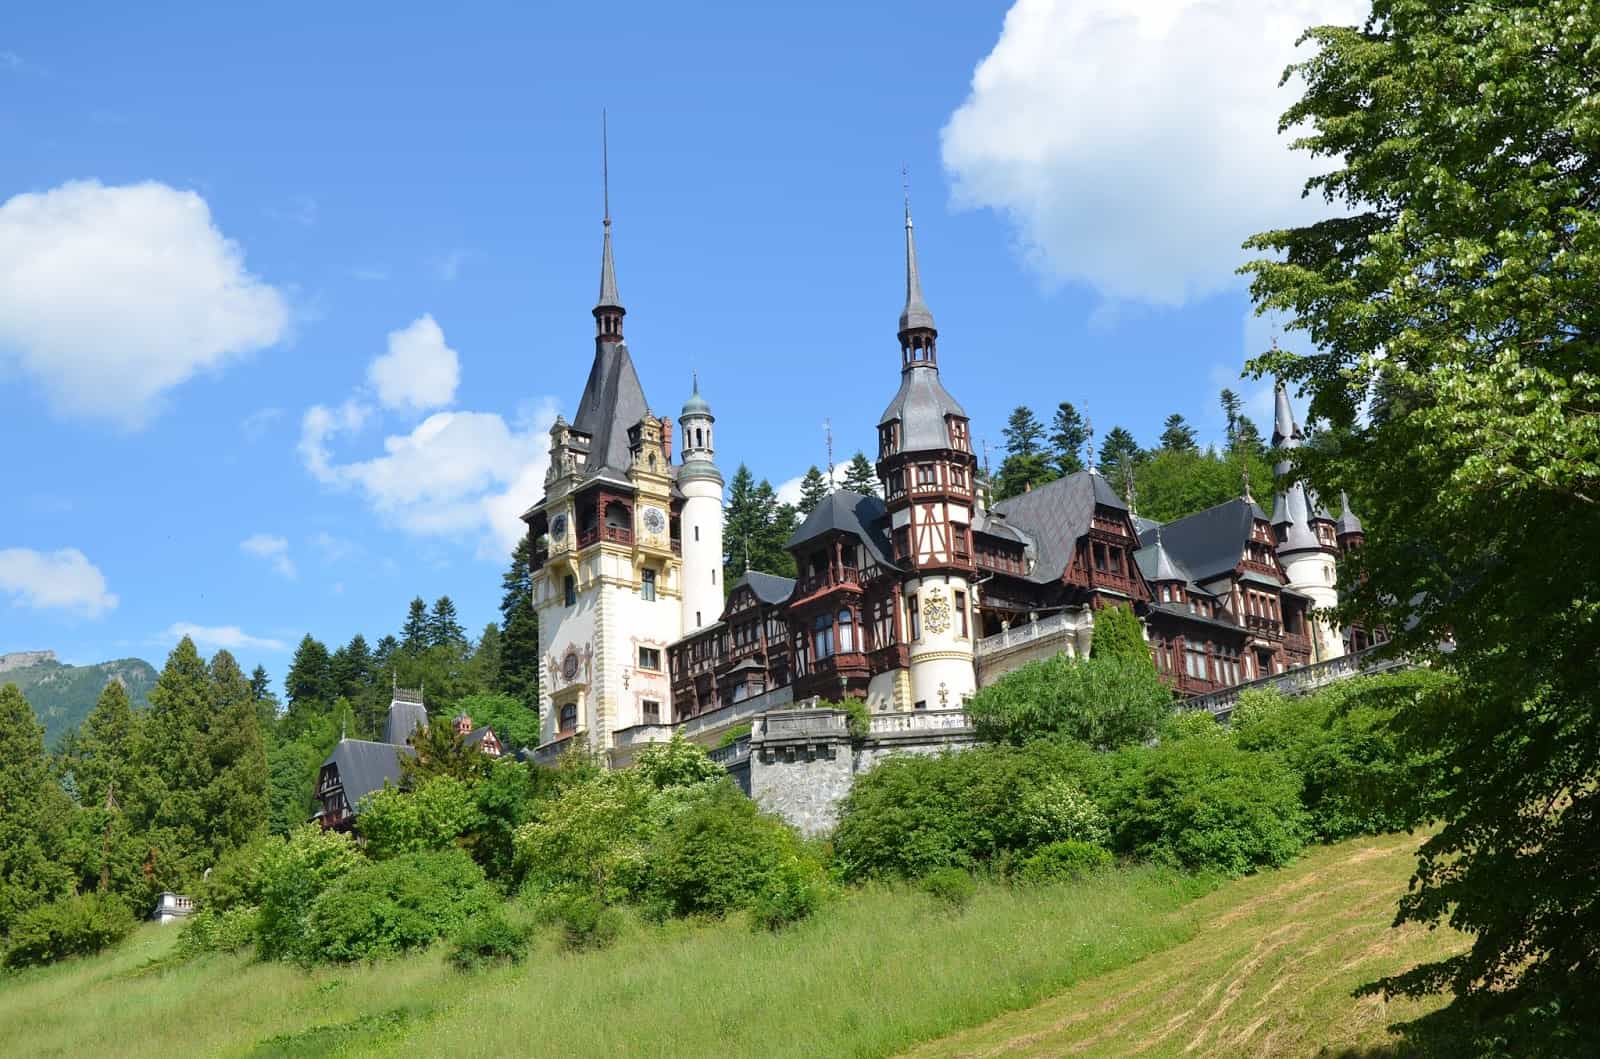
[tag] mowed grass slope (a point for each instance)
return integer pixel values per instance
(1107, 965)
(1269, 973)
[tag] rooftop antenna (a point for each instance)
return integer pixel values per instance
(827, 431)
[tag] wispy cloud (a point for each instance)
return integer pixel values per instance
(275, 550)
(254, 425)
(229, 637)
(59, 580)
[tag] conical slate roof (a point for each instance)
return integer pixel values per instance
(609, 298)
(916, 313)
(1348, 522)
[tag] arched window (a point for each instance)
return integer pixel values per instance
(569, 717)
(699, 439)
(822, 636)
(847, 633)
(617, 516)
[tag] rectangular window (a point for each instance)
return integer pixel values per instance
(652, 711)
(569, 717)
(902, 543)
(649, 658)
(822, 636)
(647, 586)
(961, 615)
(958, 476)
(927, 474)
(697, 533)
(569, 591)
(913, 617)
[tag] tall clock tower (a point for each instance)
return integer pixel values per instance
(607, 573)
(928, 471)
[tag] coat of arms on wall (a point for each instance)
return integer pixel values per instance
(936, 611)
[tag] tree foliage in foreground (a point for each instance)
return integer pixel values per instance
(1454, 289)
(1104, 702)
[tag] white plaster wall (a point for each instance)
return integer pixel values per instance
(942, 657)
(1313, 574)
(702, 558)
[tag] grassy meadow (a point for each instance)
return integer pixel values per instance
(1141, 956)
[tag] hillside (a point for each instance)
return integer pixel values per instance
(1131, 963)
(63, 695)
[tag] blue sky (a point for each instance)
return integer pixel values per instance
(288, 297)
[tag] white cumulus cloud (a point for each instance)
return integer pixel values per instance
(275, 550)
(112, 296)
(419, 371)
(229, 637)
(456, 473)
(60, 580)
(1134, 143)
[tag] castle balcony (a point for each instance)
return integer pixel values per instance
(549, 753)
(895, 656)
(811, 584)
(1268, 627)
(1298, 681)
(1113, 582)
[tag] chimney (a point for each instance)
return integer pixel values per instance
(666, 437)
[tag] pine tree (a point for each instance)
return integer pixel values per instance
(1231, 406)
(485, 661)
(813, 490)
(1067, 435)
(414, 634)
(1177, 435)
(236, 804)
(444, 629)
(103, 756)
(860, 477)
(519, 629)
(1023, 432)
(351, 668)
(174, 769)
(1119, 453)
(27, 876)
(1247, 438)
(755, 528)
(1021, 472)
(309, 682)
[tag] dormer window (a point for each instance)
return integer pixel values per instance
(888, 439)
(958, 434)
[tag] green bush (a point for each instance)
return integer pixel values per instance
(718, 854)
(67, 926)
(210, 930)
(235, 880)
(489, 938)
(1360, 776)
(951, 887)
(293, 874)
(912, 814)
(1204, 804)
(1102, 701)
(793, 891)
(733, 735)
(381, 908)
(1195, 724)
(1063, 861)
(433, 817)
(593, 835)
(585, 922)
(1118, 634)
(676, 763)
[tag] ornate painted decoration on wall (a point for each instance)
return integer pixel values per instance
(936, 611)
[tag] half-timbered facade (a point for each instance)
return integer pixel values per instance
(742, 655)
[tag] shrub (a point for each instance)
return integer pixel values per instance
(1204, 805)
(1063, 861)
(1359, 775)
(793, 891)
(228, 930)
(857, 718)
(1102, 701)
(592, 835)
(912, 814)
(951, 887)
(1118, 634)
(1196, 724)
(676, 763)
(433, 817)
(235, 880)
(68, 926)
(506, 799)
(489, 938)
(381, 908)
(733, 735)
(585, 922)
(718, 854)
(293, 874)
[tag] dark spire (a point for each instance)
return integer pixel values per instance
(608, 311)
(916, 315)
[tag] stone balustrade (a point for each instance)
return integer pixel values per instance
(918, 721)
(1297, 681)
(1063, 623)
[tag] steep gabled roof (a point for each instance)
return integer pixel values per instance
(365, 766)
(769, 588)
(612, 403)
(405, 714)
(1055, 515)
(846, 512)
(1210, 542)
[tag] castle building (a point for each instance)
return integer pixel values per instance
(908, 601)
(627, 545)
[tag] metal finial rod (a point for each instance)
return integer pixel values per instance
(827, 433)
(605, 167)
(905, 187)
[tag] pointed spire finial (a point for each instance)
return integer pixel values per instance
(916, 313)
(608, 310)
(1244, 473)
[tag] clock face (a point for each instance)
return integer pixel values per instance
(655, 520)
(558, 527)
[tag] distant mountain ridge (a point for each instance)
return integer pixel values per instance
(63, 695)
